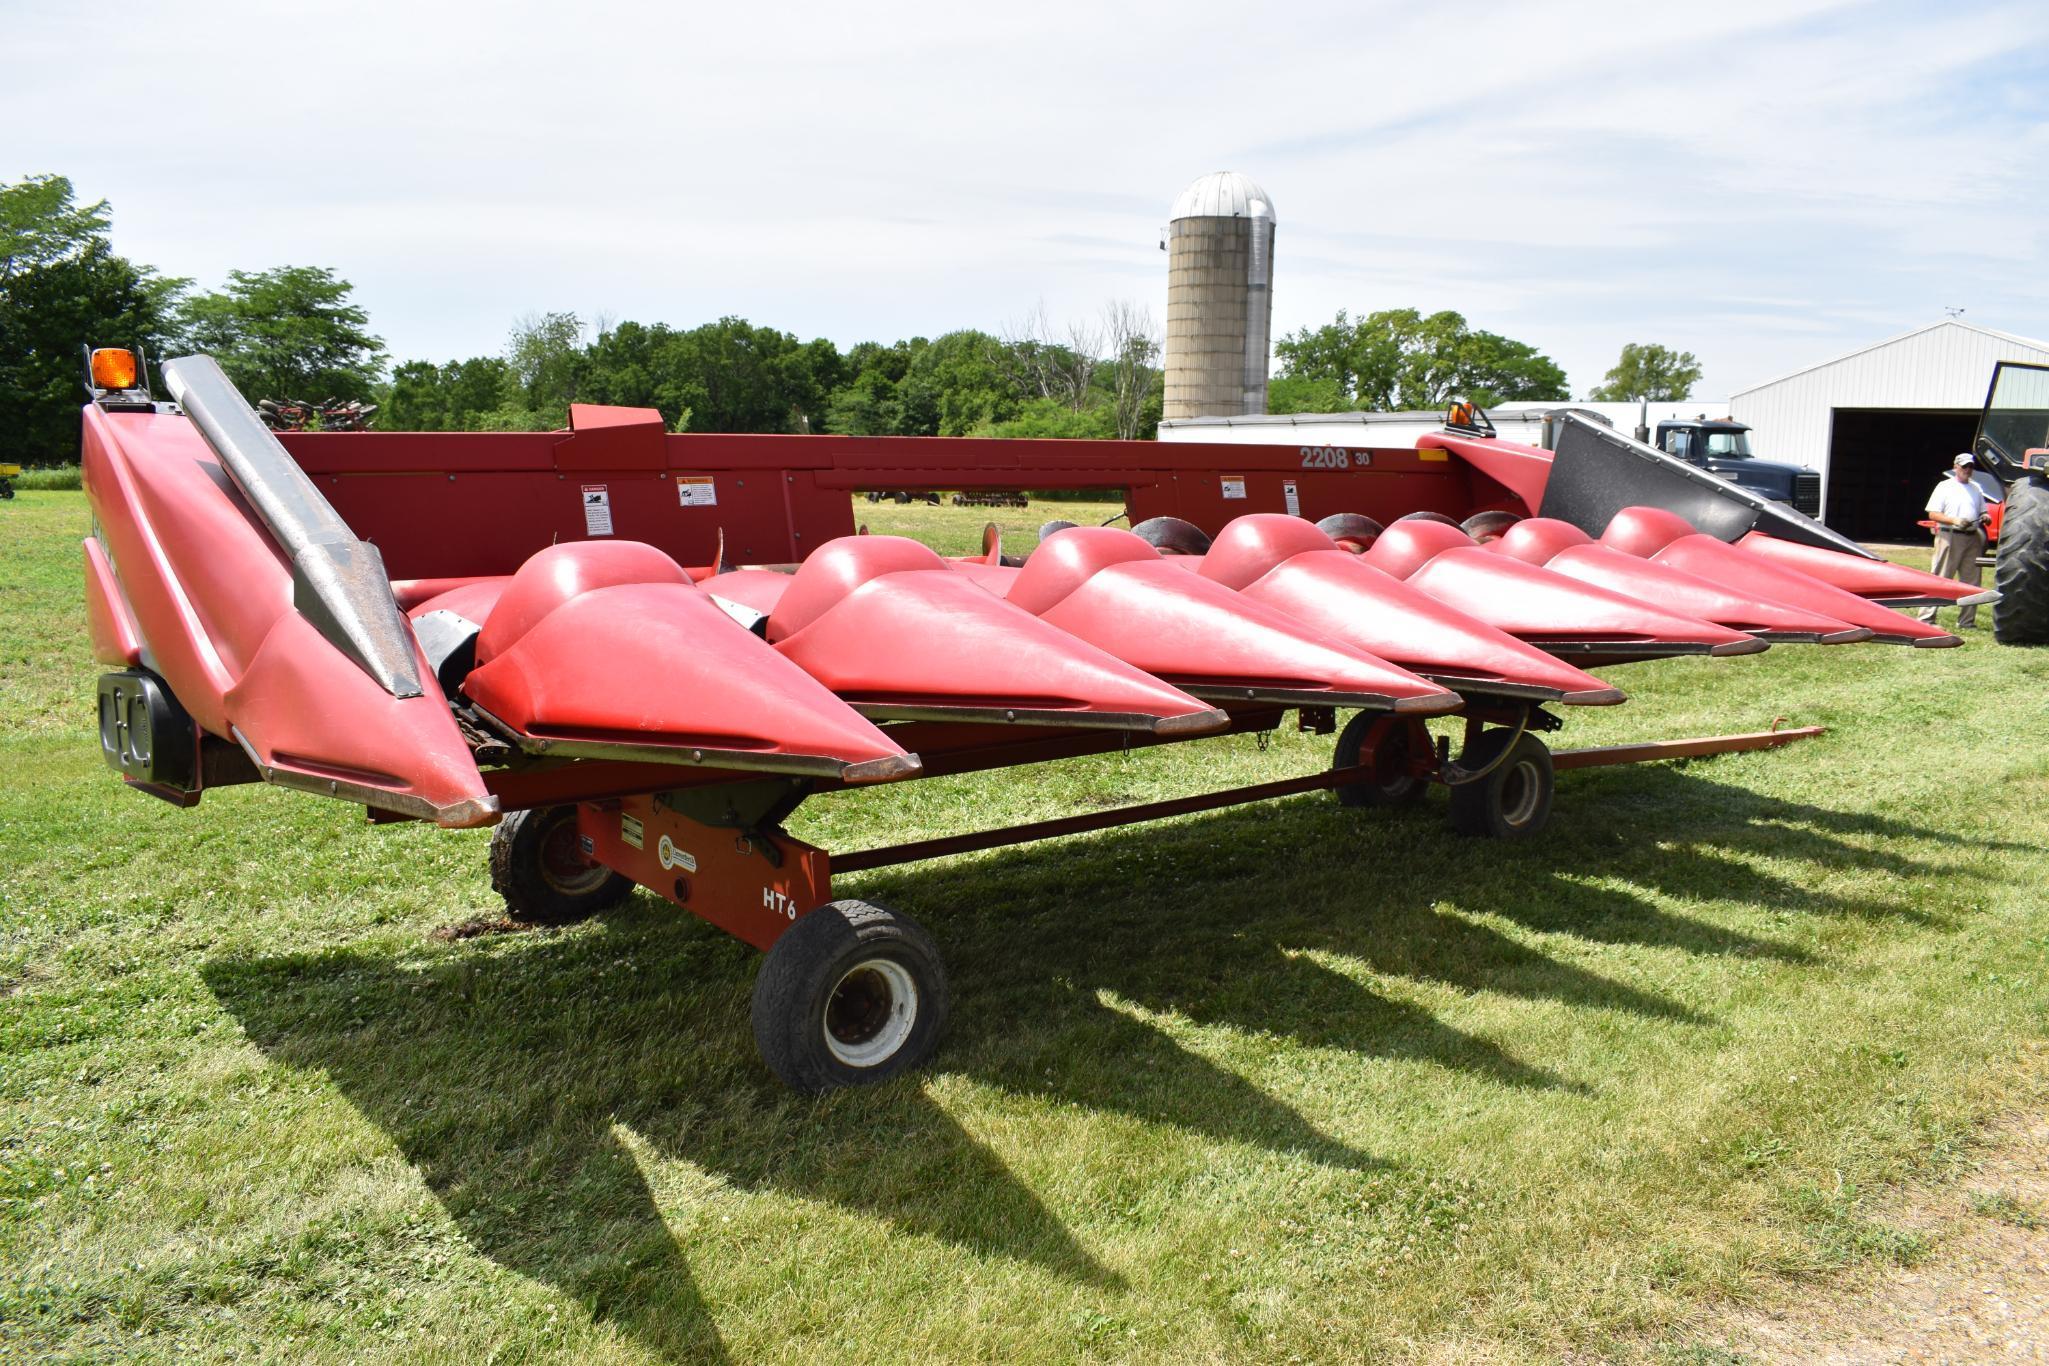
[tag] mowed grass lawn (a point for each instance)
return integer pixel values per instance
(1288, 1082)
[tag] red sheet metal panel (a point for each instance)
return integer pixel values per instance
(604, 438)
(1564, 549)
(1112, 589)
(1547, 610)
(1668, 538)
(718, 874)
(116, 639)
(1521, 470)
(1876, 579)
(212, 598)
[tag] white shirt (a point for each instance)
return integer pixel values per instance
(1957, 498)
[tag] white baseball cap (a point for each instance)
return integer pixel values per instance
(1963, 458)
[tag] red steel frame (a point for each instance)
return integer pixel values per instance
(461, 504)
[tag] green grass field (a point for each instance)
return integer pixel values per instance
(1289, 1082)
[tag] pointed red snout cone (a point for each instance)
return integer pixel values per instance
(1895, 585)
(1288, 565)
(1564, 549)
(1669, 539)
(1112, 589)
(885, 624)
(577, 663)
(1561, 615)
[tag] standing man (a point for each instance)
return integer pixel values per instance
(1957, 507)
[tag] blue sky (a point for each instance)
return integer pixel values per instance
(1763, 184)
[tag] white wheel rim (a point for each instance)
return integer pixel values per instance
(870, 1012)
(1520, 793)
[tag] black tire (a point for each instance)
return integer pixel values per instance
(1488, 526)
(6, 489)
(1514, 800)
(1428, 517)
(538, 867)
(2021, 571)
(852, 994)
(1390, 738)
(1173, 535)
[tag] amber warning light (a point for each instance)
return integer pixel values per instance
(113, 368)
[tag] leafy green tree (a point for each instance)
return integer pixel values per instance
(726, 376)
(1648, 370)
(956, 384)
(1399, 359)
(289, 332)
(867, 404)
(1319, 364)
(742, 378)
(1495, 369)
(1306, 394)
(546, 355)
(62, 288)
(1052, 417)
(39, 224)
(457, 397)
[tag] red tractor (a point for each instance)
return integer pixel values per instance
(2013, 443)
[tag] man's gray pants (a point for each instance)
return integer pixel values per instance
(1956, 557)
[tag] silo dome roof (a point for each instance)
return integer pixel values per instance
(1223, 194)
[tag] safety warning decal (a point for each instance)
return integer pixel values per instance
(1233, 485)
(696, 491)
(1294, 502)
(631, 830)
(597, 510)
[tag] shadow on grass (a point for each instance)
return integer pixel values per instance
(505, 1071)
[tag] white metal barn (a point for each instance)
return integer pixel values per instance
(1882, 423)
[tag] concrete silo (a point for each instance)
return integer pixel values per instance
(1220, 267)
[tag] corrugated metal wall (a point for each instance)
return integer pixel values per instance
(1943, 366)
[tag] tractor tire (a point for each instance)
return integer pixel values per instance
(1389, 739)
(2021, 572)
(852, 994)
(1437, 517)
(538, 866)
(1514, 800)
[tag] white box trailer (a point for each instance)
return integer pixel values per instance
(1694, 430)
(1521, 421)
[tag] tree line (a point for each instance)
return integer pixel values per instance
(1399, 360)
(296, 332)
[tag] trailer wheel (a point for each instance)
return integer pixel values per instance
(538, 866)
(1513, 801)
(851, 994)
(1383, 741)
(2021, 572)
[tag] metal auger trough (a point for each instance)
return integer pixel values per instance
(636, 653)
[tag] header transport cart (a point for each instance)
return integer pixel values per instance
(637, 653)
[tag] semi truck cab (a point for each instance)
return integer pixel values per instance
(1722, 447)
